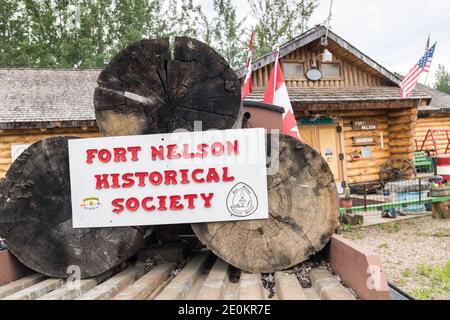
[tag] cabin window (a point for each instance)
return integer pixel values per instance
(293, 70)
(330, 70)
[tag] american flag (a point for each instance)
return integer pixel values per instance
(428, 65)
(409, 82)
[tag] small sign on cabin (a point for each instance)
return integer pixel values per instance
(363, 125)
(186, 177)
(364, 141)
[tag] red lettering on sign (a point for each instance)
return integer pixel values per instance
(217, 149)
(207, 199)
(190, 198)
(225, 176)
(157, 153)
(101, 181)
(186, 153)
(233, 147)
(195, 178)
(141, 176)
(128, 182)
(212, 175)
(171, 152)
(155, 178)
(184, 176)
(145, 205)
(201, 148)
(132, 204)
(134, 152)
(90, 154)
(175, 203)
(115, 180)
(117, 204)
(170, 177)
(119, 155)
(162, 203)
(104, 155)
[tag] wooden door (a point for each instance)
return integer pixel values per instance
(326, 140)
(329, 148)
(308, 135)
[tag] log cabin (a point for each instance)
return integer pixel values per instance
(39, 103)
(434, 116)
(353, 115)
(348, 107)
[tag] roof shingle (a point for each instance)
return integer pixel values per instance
(47, 95)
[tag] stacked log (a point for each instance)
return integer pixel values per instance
(401, 133)
(145, 90)
(11, 137)
(303, 206)
(438, 121)
(363, 170)
(36, 218)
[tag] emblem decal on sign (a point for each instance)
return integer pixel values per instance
(242, 200)
(91, 203)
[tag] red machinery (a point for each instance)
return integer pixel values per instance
(432, 135)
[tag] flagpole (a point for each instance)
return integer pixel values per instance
(277, 52)
(425, 84)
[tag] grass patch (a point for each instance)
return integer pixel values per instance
(390, 227)
(401, 283)
(406, 273)
(439, 282)
(384, 245)
(442, 233)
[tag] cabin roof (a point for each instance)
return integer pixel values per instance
(46, 98)
(341, 94)
(440, 101)
(314, 34)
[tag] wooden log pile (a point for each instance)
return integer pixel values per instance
(149, 88)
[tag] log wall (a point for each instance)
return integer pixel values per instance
(29, 136)
(397, 134)
(366, 169)
(351, 75)
(434, 121)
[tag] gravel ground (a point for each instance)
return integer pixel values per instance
(414, 253)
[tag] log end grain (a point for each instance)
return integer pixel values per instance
(147, 88)
(36, 218)
(303, 214)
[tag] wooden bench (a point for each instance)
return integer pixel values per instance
(421, 161)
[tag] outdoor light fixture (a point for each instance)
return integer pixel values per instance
(327, 56)
(314, 74)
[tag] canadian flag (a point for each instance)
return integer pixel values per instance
(247, 88)
(277, 94)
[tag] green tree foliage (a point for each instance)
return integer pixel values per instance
(229, 33)
(442, 79)
(88, 33)
(279, 21)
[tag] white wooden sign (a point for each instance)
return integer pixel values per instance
(172, 178)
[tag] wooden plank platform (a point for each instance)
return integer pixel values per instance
(202, 277)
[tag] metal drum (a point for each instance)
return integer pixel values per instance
(443, 166)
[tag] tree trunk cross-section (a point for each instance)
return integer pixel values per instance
(303, 214)
(36, 218)
(146, 90)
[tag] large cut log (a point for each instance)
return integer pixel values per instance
(145, 89)
(36, 218)
(303, 214)
(441, 210)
